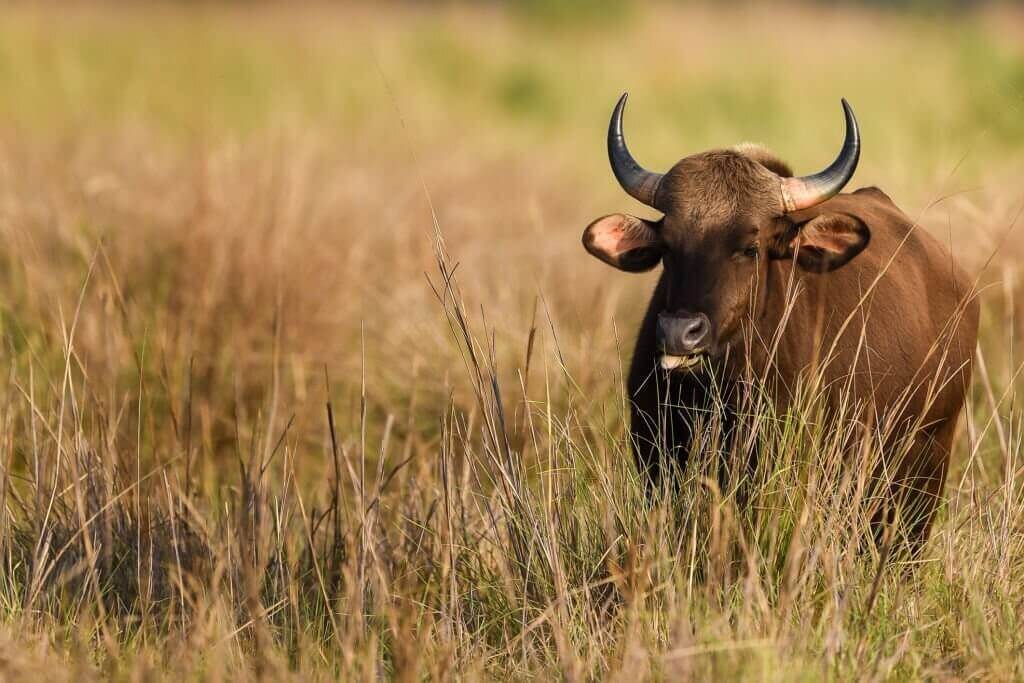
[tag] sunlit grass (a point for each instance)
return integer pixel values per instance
(260, 421)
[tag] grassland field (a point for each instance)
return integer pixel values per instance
(305, 374)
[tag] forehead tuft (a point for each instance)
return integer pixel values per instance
(714, 188)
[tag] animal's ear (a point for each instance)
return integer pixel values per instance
(626, 242)
(826, 242)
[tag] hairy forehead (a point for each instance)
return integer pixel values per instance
(716, 188)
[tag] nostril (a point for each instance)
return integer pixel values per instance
(695, 330)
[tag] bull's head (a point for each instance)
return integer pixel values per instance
(726, 213)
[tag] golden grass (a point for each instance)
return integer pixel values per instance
(253, 429)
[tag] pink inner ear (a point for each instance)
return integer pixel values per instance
(827, 238)
(617, 234)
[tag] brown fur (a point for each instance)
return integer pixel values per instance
(877, 307)
(766, 158)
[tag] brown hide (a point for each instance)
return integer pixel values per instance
(901, 315)
(849, 297)
(894, 329)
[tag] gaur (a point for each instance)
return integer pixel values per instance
(784, 278)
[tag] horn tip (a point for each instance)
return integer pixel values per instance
(847, 109)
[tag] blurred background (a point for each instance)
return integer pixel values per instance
(257, 167)
(216, 217)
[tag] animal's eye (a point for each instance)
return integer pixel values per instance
(750, 251)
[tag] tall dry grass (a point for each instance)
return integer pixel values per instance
(307, 375)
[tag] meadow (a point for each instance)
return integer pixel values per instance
(307, 376)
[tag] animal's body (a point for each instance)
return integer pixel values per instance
(784, 280)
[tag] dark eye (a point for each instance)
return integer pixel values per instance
(750, 251)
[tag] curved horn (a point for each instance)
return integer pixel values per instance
(640, 183)
(806, 191)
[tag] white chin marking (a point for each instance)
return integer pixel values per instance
(679, 362)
